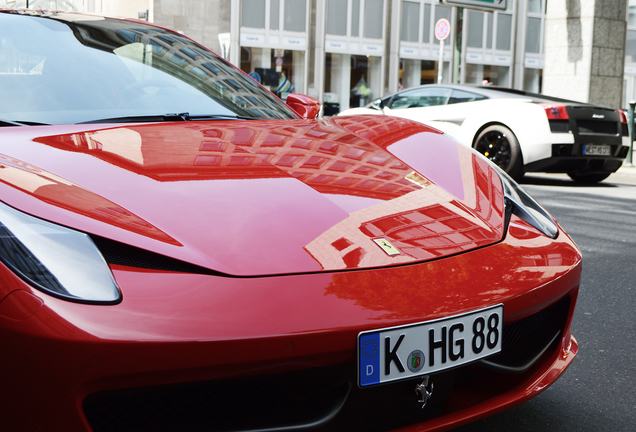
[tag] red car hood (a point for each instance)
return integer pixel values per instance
(260, 197)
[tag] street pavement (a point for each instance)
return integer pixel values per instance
(624, 175)
(596, 393)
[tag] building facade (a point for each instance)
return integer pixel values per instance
(349, 52)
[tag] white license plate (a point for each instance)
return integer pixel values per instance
(597, 150)
(418, 349)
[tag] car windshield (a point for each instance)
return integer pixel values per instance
(66, 68)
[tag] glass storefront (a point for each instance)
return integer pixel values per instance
(534, 31)
(354, 45)
(629, 87)
(281, 71)
(273, 44)
(419, 48)
(417, 72)
(488, 74)
(351, 81)
(355, 33)
(532, 80)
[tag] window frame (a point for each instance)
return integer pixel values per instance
(422, 49)
(350, 44)
(275, 38)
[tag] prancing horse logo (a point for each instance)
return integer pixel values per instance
(424, 391)
(387, 247)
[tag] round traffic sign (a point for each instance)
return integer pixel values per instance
(442, 29)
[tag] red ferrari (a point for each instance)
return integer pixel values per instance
(182, 251)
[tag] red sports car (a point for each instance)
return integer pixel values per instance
(182, 251)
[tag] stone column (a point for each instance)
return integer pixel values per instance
(585, 50)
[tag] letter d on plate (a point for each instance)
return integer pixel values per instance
(369, 351)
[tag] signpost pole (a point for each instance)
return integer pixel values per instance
(440, 65)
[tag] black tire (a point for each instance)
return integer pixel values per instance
(500, 145)
(588, 178)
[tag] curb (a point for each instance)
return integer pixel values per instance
(631, 170)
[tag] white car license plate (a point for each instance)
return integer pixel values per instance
(403, 352)
(596, 150)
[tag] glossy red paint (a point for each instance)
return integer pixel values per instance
(204, 329)
(273, 196)
(281, 216)
(305, 106)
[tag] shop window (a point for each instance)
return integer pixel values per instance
(532, 80)
(630, 47)
(351, 81)
(344, 22)
(475, 29)
(532, 72)
(417, 27)
(274, 15)
(534, 6)
(295, 15)
(354, 46)
(497, 75)
(504, 31)
(253, 13)
(630, 43)
(336, 17)
(410, 21)
(355, 18)
(489, 17)
(415, 72)
(426, 35)
(533, 35)
(273, 42)
(631, 17)
(418, 53)
(261, 63)
(373, 14)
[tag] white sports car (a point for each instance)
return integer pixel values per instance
(519, 131)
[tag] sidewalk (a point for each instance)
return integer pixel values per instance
(627, 170)
(625, 175)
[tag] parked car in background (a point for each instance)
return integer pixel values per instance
(519, 131)
(182, 251)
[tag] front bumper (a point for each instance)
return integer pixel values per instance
(183, 334)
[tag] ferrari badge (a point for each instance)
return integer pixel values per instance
(387, 247)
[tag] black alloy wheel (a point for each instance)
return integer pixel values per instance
(501, 147)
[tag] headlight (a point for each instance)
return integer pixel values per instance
(55, 259)
(527, 208)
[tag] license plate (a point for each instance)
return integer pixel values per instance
(596, 150)
(398, 353)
